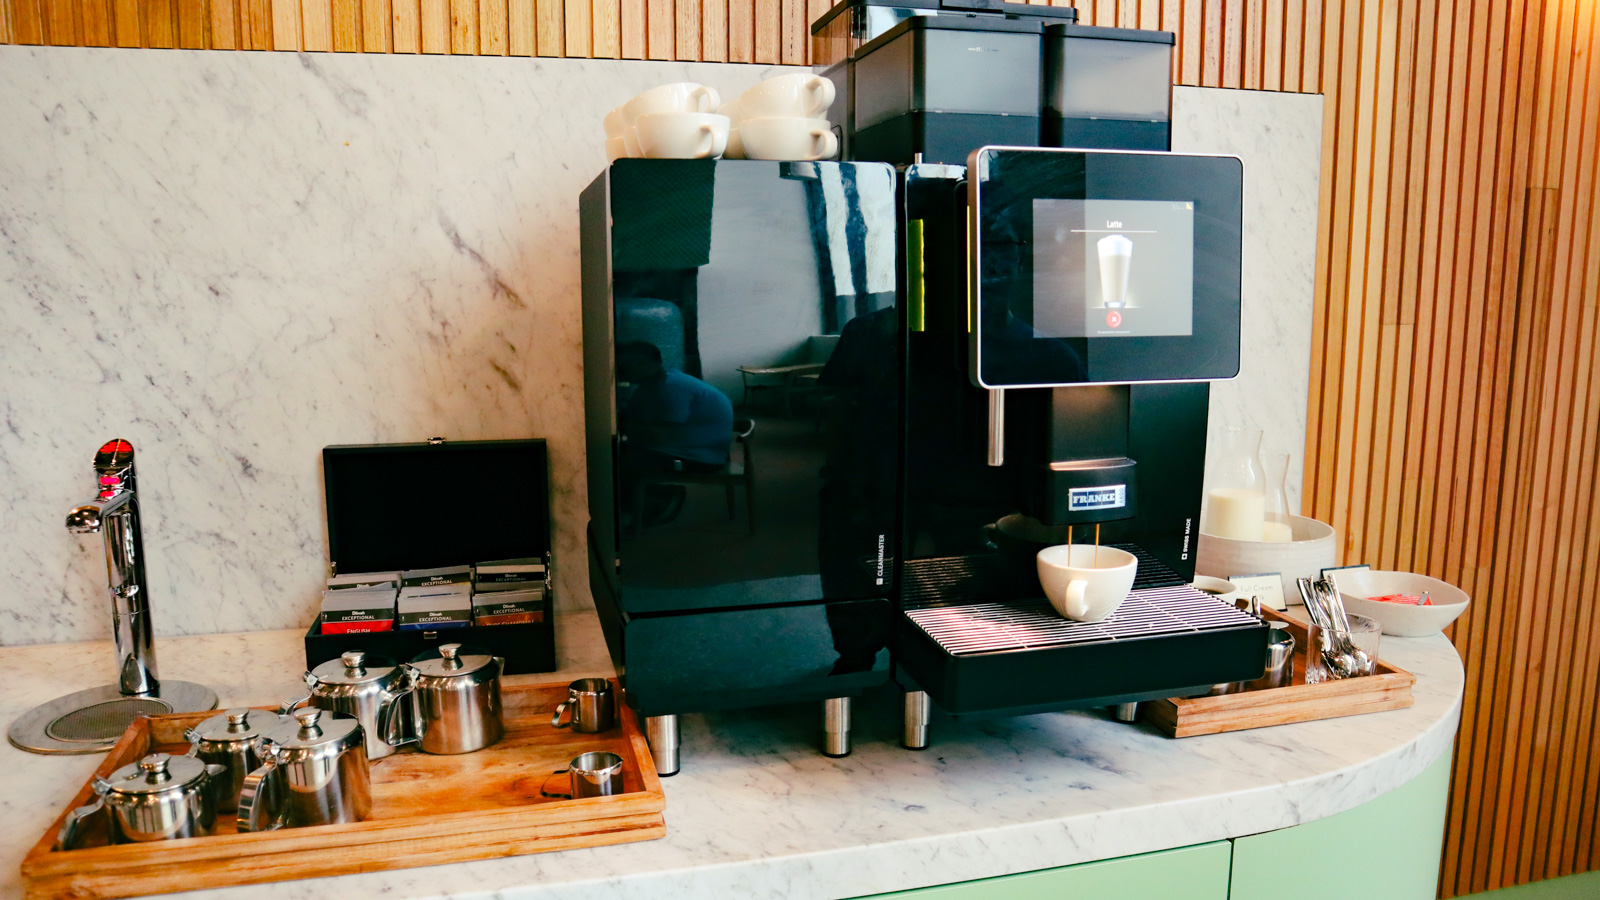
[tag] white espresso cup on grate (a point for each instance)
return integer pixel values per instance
(1085, 582)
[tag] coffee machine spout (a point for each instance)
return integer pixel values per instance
(1088, 491)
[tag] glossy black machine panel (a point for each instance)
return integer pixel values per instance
(741, 395)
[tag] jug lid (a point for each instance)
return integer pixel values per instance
(158, 773)
(452, 663)
(355, 667)
(235, 725)
(318, 729)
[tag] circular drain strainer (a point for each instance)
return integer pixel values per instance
(92, 720)
(103, 721)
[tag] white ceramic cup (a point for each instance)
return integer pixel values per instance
(785, 138)
(682, 135)
(614, 123)
(787, 96)
(1082, 586)
(682, 96)
(1220, 588)
(630, 142)
(616, 148)
(735, 148)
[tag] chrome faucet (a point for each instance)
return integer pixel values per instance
(91, 720)
(114, 514)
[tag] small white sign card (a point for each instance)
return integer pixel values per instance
(1266, 585)
(1332, 573)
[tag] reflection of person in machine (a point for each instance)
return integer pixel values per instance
(673, 422)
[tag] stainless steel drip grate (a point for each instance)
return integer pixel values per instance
(1033, 624)
(103, 721)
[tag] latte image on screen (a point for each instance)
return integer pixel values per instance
(1116, 255)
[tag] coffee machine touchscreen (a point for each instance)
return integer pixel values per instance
(1111, 268)
(1102, 267)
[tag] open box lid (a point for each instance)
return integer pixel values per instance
(416, 506)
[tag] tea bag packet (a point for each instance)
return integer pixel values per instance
(508, 575)
(356, 581)
(358, 610)
(518, 607)
(430, 611)
(433, 578)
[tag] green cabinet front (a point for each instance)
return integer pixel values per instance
(1390, 846)
(1188, 873)
(1385, 849)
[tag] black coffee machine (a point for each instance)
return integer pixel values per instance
(741, 391)
(835, 407)
(1063, 312)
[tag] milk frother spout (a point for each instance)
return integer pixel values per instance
(92, 720)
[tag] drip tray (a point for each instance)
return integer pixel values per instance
(1034, 624)
(91, 721)
(977, 654)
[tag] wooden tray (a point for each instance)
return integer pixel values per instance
(426, 810)
(1299, 702)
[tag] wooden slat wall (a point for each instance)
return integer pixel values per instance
(1453, 413)
(1455, 396)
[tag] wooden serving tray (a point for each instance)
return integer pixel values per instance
(1390, 688)
(426, 810)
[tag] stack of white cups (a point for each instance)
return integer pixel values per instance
(782, 118)
(673, 121)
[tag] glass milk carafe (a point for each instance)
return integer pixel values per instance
(1237, 499)
(1277, 527)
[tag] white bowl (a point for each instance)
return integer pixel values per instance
(1313, 549)
(1398, 619)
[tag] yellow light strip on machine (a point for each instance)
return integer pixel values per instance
(916, 289)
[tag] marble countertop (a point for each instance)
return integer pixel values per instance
(757, 811)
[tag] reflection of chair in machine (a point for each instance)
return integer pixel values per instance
(779, 379)
(790, 381)
(740, 470)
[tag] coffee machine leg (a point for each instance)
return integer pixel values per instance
(1126, 712)
(836, 726)
(662, 733)
(917, 709)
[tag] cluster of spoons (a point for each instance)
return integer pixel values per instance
(1339, 653)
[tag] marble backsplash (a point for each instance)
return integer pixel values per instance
(1279, 138)
(234, 259)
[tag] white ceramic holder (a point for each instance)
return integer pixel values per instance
(1315, 547)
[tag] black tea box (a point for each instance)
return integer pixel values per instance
(403, 508)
